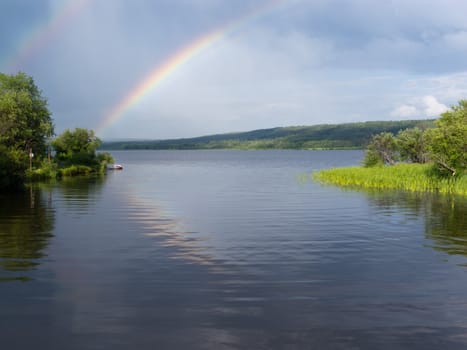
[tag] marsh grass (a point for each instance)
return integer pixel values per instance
(408, 177)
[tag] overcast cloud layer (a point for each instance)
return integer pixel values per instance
(301, 63)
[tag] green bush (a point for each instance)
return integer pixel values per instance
(372, 158)
(13, 165)
(75, 170)
(46, 171)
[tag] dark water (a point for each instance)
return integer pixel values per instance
(230, 250)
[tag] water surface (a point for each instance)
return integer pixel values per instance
(234, 250)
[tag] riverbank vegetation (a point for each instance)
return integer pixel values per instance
(26, 139)
(407, 177)
(432, 160)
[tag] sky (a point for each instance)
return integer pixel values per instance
(158, 69)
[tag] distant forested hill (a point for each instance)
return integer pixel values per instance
(338, 136)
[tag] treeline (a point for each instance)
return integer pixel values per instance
(27, 139)
(339, 136)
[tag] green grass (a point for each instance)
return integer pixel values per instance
(408, 177)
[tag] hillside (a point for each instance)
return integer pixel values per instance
(326, 136)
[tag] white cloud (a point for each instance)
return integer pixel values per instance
(433, 108)
(427, 106)
(405, 111)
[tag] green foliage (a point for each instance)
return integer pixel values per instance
(75, 170)
(447, 143)
(381, 150)
(341, 136)
(76, 153)
(25, 121)
(25, 124)
(45, 171)
(103, 159)
(76, 147)
(409, 177)
(372, 158)
(412, 145)
(13, 165)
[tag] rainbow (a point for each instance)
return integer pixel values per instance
(44, 33)
(161, 71)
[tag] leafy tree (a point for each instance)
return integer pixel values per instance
(25, 121)
(76, 147)
(412, 145)
(381, 150)
(13, 165)
(25, 124)
(77, 150)
(447, 143)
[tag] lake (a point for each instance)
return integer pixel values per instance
(230, 250)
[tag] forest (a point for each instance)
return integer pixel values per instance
(325, 136)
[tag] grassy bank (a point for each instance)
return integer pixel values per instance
(409, 177)
(49, 171)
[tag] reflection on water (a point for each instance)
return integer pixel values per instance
(26, 222)
(79, 194)
(230, 250)
(444, 216)
(447, 225)
(169, 232)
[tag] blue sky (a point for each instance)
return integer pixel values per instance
(301, 63)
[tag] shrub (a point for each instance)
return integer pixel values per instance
(75, 170)
(47, 171)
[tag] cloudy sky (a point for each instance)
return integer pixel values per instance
(271, 63)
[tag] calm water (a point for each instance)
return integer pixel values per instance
(230, 250)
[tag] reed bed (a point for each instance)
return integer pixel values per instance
(408, 177)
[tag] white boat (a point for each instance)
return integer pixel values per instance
(114, 166)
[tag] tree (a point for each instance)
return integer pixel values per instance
(25, 121)
(447, 142)
(412, 145)
(13, 165)
(381, 150)
(77, 147)
(25, 125)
